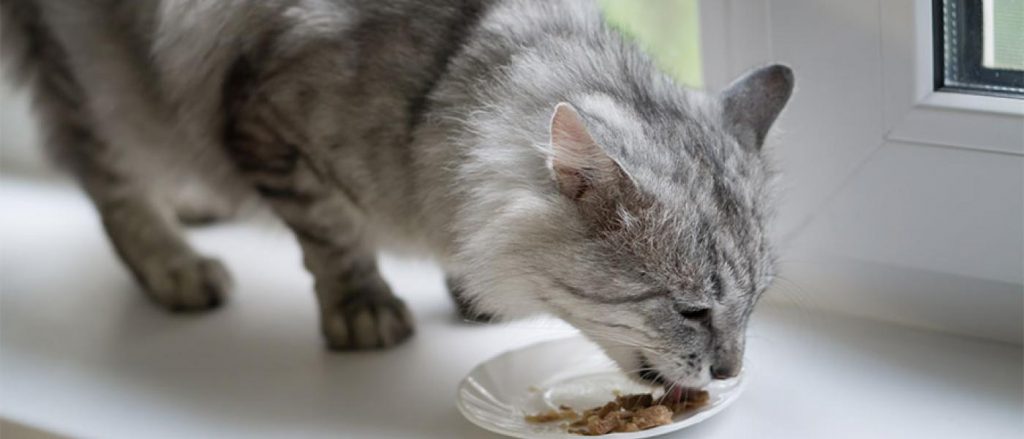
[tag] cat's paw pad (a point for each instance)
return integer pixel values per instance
(367, 322)
(187, 283)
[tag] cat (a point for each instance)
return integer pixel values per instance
(538, 155)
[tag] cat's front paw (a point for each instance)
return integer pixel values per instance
(367, 321)
(182, 284)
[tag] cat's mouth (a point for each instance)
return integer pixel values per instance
(674, 391)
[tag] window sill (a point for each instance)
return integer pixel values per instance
(81, 349)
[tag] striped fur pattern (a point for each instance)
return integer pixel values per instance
(636, 211)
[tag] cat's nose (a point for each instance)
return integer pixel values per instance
(728, 359)
(724, 371)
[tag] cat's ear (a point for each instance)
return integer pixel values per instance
(577, 163)
(751, 103)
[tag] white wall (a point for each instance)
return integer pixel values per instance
(927, 230)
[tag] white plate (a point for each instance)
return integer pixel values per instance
(573, 371)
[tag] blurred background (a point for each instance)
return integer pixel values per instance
(901, 226)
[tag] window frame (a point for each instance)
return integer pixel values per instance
(736, 35)
(917, 112)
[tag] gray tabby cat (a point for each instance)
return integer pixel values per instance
(538, 156)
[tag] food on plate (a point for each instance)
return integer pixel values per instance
(625, 414)
(562, 414)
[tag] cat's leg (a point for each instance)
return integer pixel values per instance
(148, 239)
(463, 306)
(357, 307)
(144, 234)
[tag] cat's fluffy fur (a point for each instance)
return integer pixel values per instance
(635, 211)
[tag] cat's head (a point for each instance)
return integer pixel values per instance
(666, 250)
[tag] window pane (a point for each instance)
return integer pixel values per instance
(980, 46)
(1004, 34)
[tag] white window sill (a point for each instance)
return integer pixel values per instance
(85, 355)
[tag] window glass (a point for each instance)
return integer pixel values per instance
(1003, 34)
(979, 46)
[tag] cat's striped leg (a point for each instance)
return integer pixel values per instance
(357, 307)
(142, 227)
(143, 233)
(143, 230)
(148, 240)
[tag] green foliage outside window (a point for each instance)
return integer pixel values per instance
(668, 29)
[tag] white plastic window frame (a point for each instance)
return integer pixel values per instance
(736, 35)
(915, 112)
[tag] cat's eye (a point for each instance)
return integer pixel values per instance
(696, 314)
